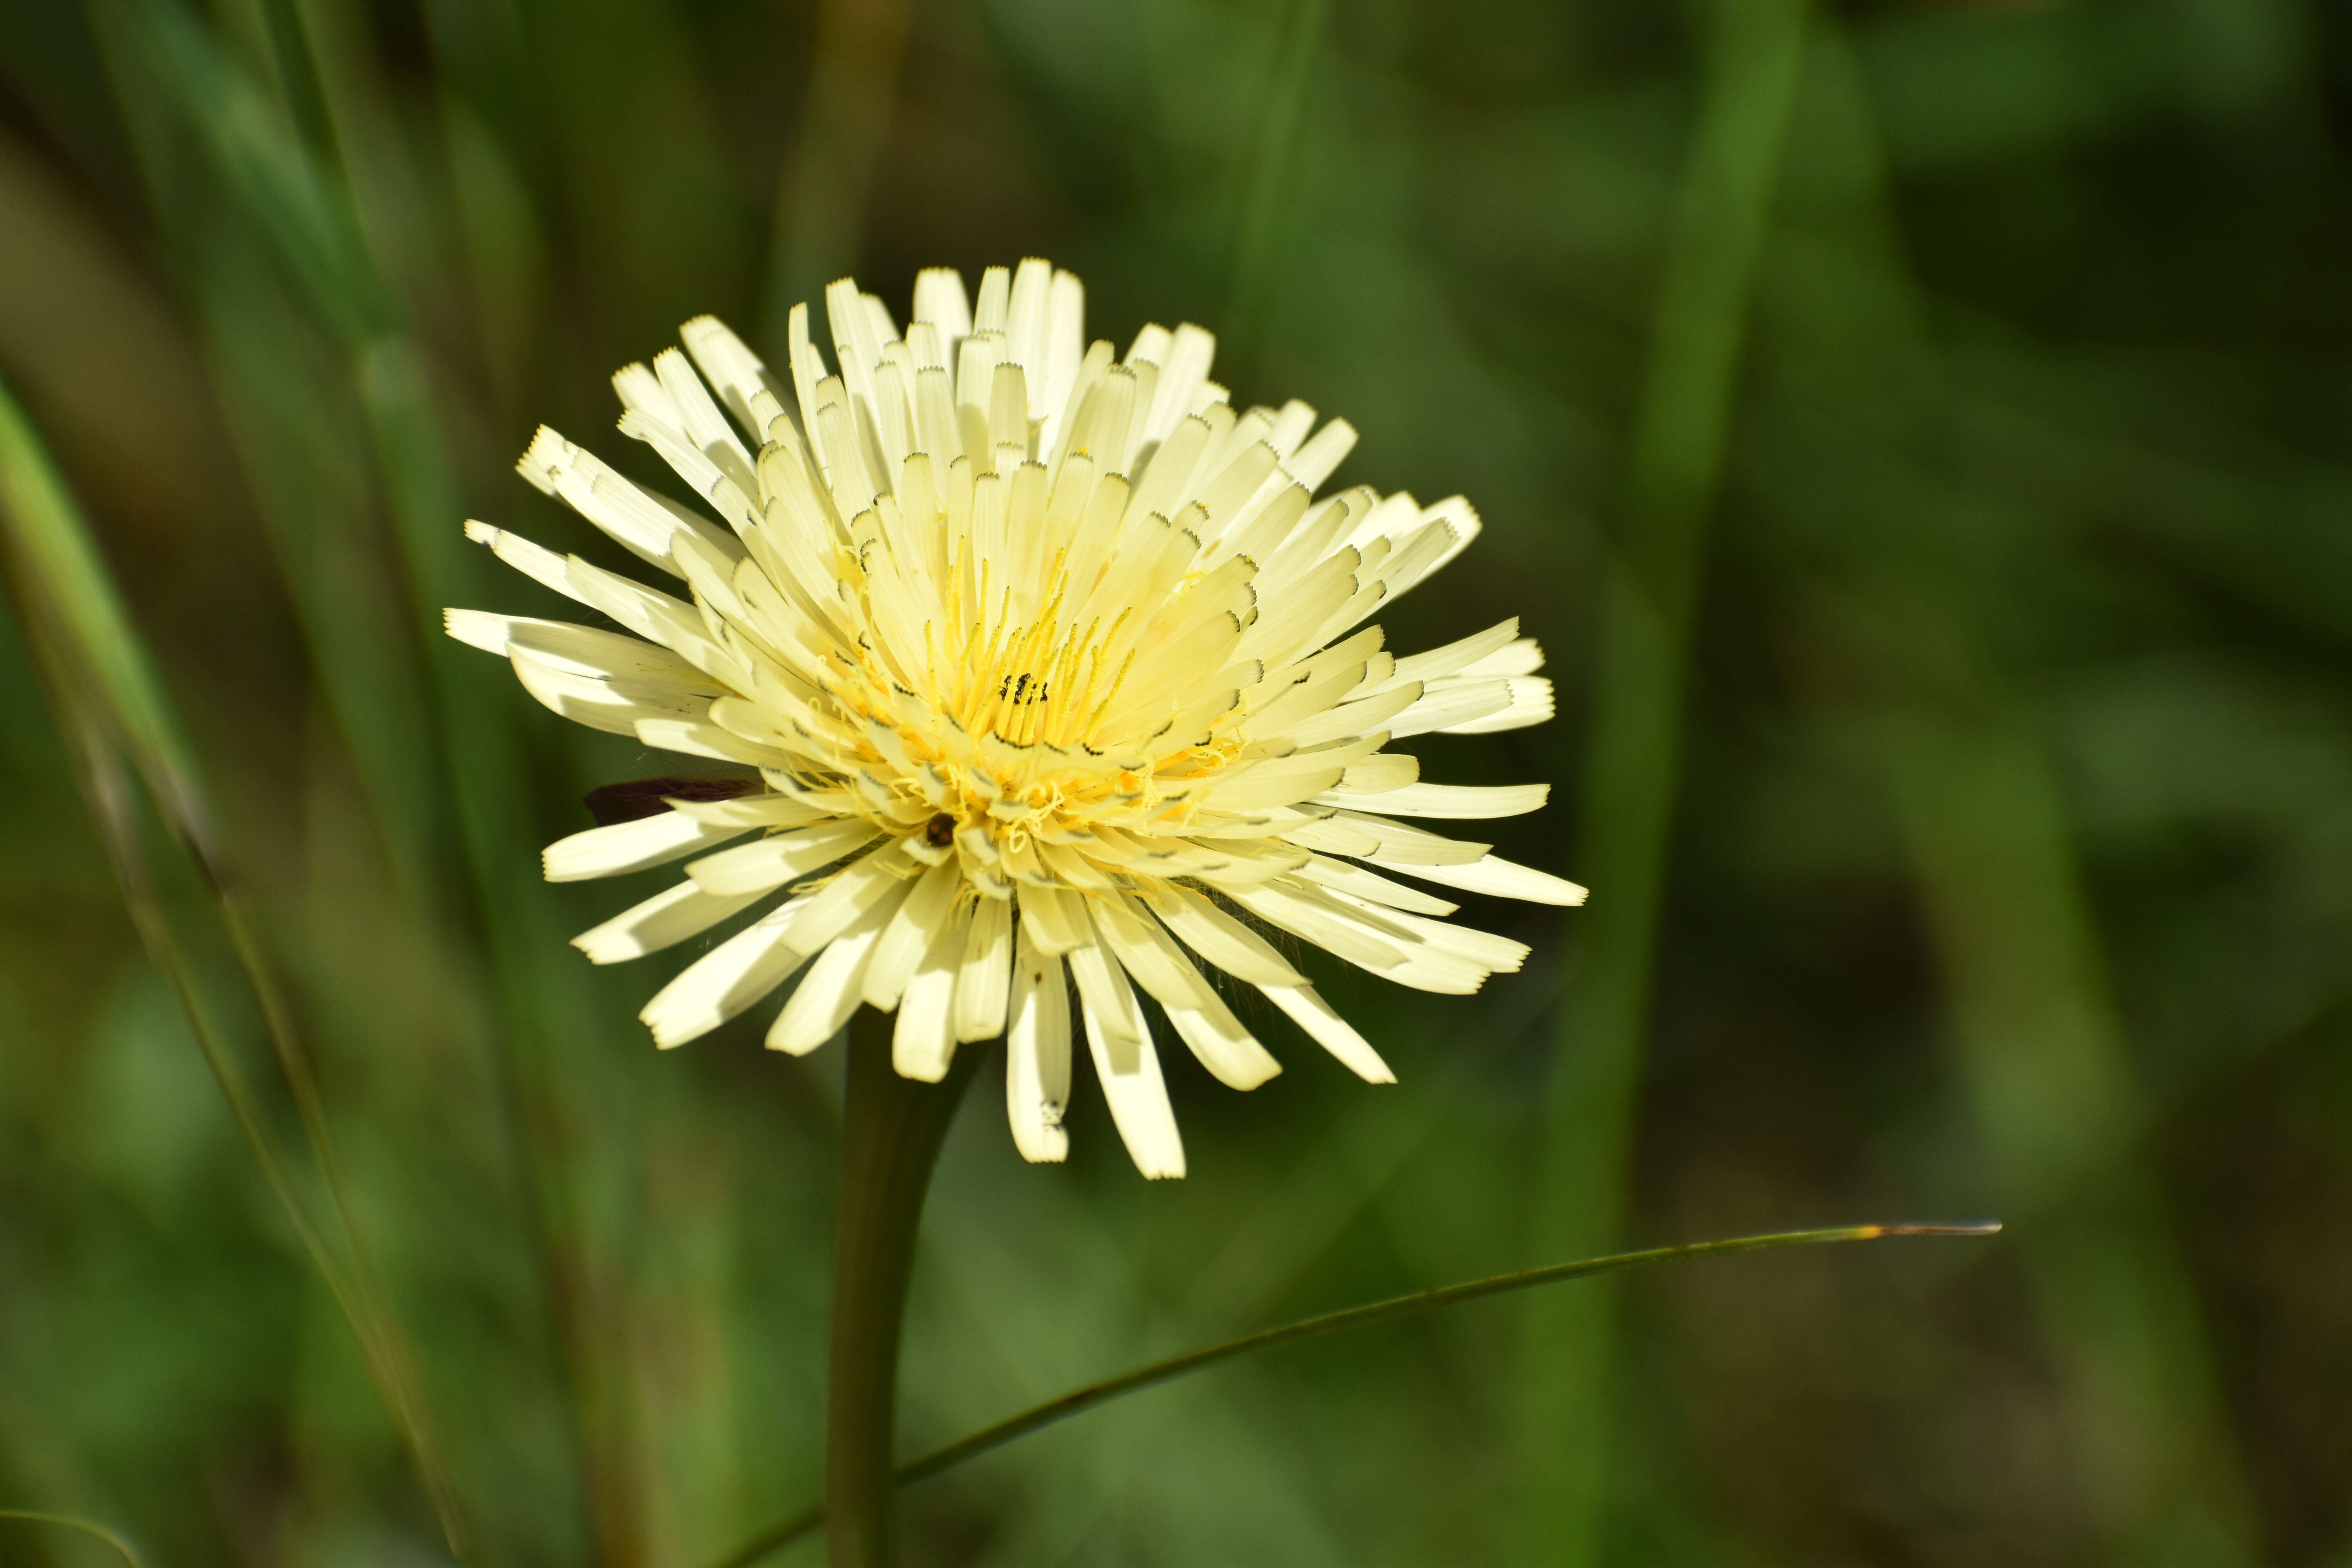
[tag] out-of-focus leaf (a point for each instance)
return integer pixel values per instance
(1632, 773)
(67, 1522)
(105, 696)
(56, 559)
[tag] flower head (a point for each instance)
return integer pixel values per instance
(1052, 668)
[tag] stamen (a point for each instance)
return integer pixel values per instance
(1111, 695)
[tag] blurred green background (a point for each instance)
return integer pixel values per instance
(1921, 434)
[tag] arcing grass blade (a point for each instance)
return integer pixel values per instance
(1648, 607)
(2044, 1060)
(1167, 1371)
(43, 530)
(109, 793)
(324, 240)
(67, 1522)
(109, 704)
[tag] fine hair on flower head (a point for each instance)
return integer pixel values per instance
(1052, 668)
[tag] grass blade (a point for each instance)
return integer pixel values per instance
(107, 703)
(466, 754)
(2002, 873)
(1269, 185)
(67, 1522)
(2045, 1059)
(1648, 603)
(54, 550)
(1084, 1399)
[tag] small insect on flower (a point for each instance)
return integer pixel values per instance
(1052, 668)
(617, 803)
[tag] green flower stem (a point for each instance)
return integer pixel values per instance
(891, 1132)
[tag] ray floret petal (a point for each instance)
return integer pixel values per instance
(1057, 679)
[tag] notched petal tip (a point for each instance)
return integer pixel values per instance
(476, 629)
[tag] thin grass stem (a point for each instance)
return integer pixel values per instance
(111, 704)
(1078, 1400)
(68, 1521)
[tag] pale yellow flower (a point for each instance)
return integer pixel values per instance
(1053, 669)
